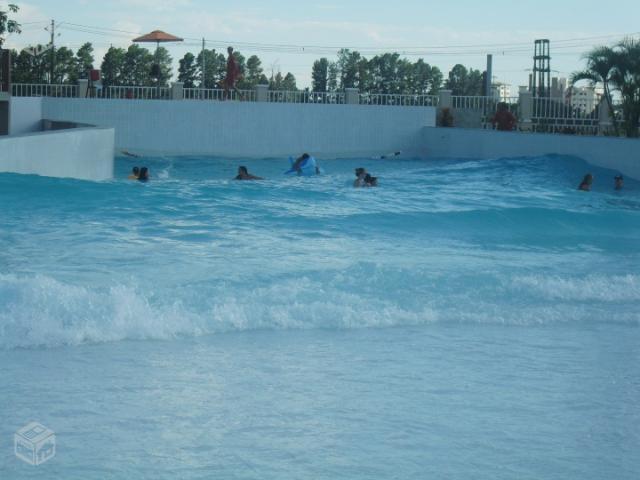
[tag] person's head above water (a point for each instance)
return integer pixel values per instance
(144, 174)
(619, 182)
(586, 182)
(135, 171)
(360, 171)
(243, 170)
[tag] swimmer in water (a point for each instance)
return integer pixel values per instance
(370, 181)
(243, 174)
(586, 183)
(619, 182)
(144, 175)
(135, 173)
(361, 174)
(297, 165)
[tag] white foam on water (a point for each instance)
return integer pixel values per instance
(42, 311)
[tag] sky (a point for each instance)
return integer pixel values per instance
(289, 35)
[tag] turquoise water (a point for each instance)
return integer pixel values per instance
(466, 319)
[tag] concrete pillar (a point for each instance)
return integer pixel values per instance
(83, 86)
(177, 91)
(262, 93)
(352, 96)
(604, 118)
(444, 99)
(526, 110)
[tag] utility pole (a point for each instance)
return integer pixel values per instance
(52, 31)
(204, 66)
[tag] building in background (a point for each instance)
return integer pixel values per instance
(585, 99)
(501, 91)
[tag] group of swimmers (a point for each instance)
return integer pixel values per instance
(587, 181)
(140, 174)
(363, 178)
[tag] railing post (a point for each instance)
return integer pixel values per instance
(525, 102)
(352, 96)
(177, 91)
(604, 118)
(444, 99)
(83, 86)
(262, 93)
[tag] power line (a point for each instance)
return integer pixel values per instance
(478, 49)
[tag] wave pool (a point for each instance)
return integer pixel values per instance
(466, 319)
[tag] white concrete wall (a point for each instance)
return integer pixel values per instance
(620, 154)
(249, 129)
(84, 153)
(25, 115)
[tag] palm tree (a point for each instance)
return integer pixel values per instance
(601, 67)
(626, 77)
(617, 69)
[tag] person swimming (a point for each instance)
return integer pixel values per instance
(144, 175)
(361, 173)
(297, 165)
(243, 174)
(586, 183)
(135, 173)
(618, 182)
(370, 181)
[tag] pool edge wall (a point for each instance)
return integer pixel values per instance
(81, 153)
(620, 154)
(249, 129)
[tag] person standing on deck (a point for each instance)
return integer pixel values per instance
(233, 75)
(504, 120)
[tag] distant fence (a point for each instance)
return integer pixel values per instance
(549, 115)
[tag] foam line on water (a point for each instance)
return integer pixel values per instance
(41, 311)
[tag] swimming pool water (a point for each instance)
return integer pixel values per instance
(466, 319)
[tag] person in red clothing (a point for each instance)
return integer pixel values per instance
(233, 74)
(503, 119)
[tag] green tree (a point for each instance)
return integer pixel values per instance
(83, 62)
(188, 70)
(27, 68)
(254, 74)
(64, 66)
(6, 24)
(113, 67)
(426, 79)
(163, 60)
(215, 68)
(601, 69)
(137, 67)
(289, 83)
(320, 75)
(465, 82)
(332, 77)
(457, 81)
(348, 66)
(627, 81)
(275, 82)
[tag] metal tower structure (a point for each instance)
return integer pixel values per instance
(541, 69)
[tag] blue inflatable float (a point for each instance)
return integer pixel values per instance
(308, 168)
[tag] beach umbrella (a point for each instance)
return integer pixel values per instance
(157, 37)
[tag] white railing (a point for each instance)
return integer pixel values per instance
(399, 100)
(219, 94)
(40, 90)
(135, 93)
(304, 96)
(557, 115)
(474, 102)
